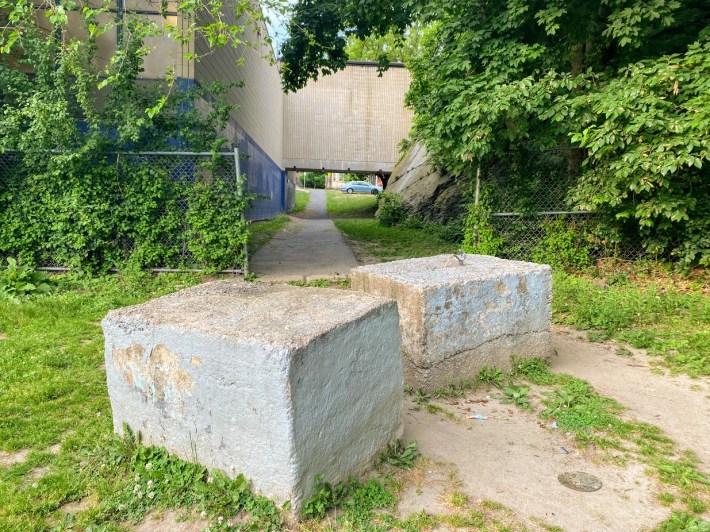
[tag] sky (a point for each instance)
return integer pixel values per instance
(277, 26)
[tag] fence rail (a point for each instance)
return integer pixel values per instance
(529, 194)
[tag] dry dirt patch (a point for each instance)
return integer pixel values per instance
(677, 404)
(10, 459)
(509, 458)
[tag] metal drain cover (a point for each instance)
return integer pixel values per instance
(580, 481)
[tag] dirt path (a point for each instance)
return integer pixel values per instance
(310, 247)
(677, 404)
(514, 458)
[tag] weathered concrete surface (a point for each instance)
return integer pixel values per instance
(426, 192)
(456, 318)
(277, 382)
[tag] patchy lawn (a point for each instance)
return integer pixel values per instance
(392, 243)
(302, 199)
(670, 321)
(342, 205)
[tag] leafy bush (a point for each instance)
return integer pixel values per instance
(313, 180)
(390, 211)
(563, 245)
(97, 212)
(18, 282)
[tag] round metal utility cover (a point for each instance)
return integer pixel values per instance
(580, 481)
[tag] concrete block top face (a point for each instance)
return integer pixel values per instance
(447, 308)
(446, 270)
(274, 315)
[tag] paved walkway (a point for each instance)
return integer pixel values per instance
(309, 248)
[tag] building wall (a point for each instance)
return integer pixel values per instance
(259, 100)
(352, 120)
(256, 124)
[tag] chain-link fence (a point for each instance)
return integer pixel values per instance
(162, 210)
(529, 198)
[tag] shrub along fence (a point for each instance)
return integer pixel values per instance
(520, 210)
(93, 212)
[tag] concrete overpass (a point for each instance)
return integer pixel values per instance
(351, 121)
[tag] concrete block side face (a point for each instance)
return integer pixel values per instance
(204, 398)
(411, 307)
(461, 317)
(498, 353)
(347, 391)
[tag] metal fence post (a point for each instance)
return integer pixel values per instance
(240, 192)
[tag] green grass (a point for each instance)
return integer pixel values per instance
(302, 199)
(393, 243)
(53, 393)
(261, 232)
(341, 205)
(669, 322)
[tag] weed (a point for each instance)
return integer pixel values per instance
(436, 409)
(323, 283)
(357, 502)
(459, 500)
(683, 522)
(454, 390)
(421, 397)
(491, 505)
(598, 336)
(517, 395)
(623, 352)
(400, 455)
(682, 472)
(325, 496)
(666, 498)
(535, 370)
(489, 375)
(419, 521)
(472, 520)
(19, 282)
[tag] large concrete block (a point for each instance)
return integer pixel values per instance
(277, 382)
(457, 317)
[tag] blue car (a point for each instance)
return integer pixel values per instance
(360, 187)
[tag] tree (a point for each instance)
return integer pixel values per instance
(390, 48)
(493, 77)
(66, 108)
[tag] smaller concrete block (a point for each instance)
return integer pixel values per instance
(457, 317)
(277, 382)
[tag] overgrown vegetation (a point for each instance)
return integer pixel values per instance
(615, 89)
(69, 107)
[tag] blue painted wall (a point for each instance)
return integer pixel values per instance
(264, 178)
